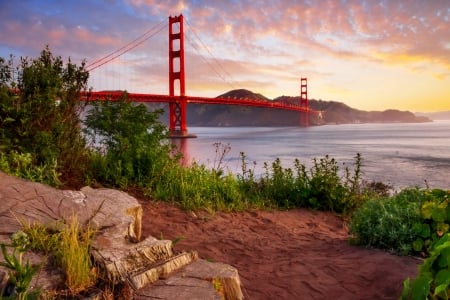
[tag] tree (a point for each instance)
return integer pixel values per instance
(39, 113)
(128, 142)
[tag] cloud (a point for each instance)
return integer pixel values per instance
(269, 44)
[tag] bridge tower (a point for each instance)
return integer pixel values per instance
(304, 116)
(177, 109)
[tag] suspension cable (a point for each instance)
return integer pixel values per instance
(195, 46)
(127, 47)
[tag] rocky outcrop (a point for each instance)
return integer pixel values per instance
(147, 265)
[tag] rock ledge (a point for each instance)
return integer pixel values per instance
(147, 265)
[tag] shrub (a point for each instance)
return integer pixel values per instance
(409, 222)
(197, 187)
(433, 280)
(39, 114)
(130, 145)
(387, 223)
(320, 187)
(435, 217)
(21, 165)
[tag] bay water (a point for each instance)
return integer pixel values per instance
(399, 154)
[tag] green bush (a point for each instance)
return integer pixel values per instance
(21, 165)
(409, 222)
(320, 187)
(39, 115)
(388, 223)
(433, 280)
(435, 216)
(129, 144)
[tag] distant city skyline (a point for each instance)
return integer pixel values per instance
(370, 55)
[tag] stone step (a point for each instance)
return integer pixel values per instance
(199, 280)
(122, 257)
(162, 269)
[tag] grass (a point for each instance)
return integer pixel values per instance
(321, 187)
(74, 256)
(70, 248)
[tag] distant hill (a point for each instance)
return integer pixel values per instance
(243, 94)
(439, 115)
(332, 112)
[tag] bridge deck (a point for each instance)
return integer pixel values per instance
(115, 95)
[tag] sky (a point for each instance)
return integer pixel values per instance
(371, 55)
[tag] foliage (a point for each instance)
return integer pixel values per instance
(320, 187)
(387, 223)
(39, 116)
(409, 222)
(21, 165)
(433, 280)
(128, 143)
(21, 273)
(435, 216)
(70, 248)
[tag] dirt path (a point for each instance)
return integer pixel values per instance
(296, 254)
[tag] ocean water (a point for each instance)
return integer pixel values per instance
(399, 154)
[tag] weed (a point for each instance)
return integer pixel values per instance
(221, 151)
(21, 273)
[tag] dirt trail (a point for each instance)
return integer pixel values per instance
(298, 254)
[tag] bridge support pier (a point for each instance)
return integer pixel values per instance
(304, 116)
(177, 108)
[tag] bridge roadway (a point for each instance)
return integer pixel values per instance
(115, 95)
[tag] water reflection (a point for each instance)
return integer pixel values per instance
(182, 146)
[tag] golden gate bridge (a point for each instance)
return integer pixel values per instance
(178, 99)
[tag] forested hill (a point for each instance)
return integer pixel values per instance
(333, 112)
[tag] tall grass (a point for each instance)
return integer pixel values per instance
(197, 187)
(324, 186)
(70, 248)
(74, 256)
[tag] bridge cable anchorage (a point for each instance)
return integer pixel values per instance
(196, 48)
(127, 47)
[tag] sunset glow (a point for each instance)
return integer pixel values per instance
(371, 55)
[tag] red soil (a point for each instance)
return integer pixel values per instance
(298, 254)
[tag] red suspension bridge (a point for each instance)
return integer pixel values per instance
(178, 99)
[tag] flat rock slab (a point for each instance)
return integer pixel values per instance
(31, 202)
(115, 214)
(199, 280)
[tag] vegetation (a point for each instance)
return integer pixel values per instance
(408, 223)
(40, 136)
(21, 273)
(69, 250)
(433, 280)
(127, 144)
